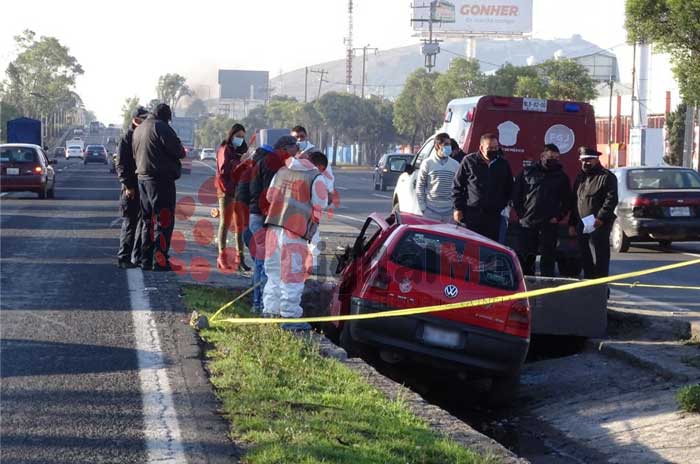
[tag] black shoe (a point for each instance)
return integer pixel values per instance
(125, 264)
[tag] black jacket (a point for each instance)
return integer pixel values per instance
(479, 185)
(125, 165)
(595, 193)
(262, 176)
(244, 187)
(458, 155)
(157, 150)
(541, 194)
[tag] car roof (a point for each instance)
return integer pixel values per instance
(650, 168)
(20, 145)
(424, 224)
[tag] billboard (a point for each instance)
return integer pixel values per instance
(507, 17)
(240, 84)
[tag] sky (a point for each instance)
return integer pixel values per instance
(124, 46)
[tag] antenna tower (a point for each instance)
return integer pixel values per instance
(349, 50)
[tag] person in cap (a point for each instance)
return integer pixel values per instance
(228, 158)
(457, 153)
(305, 149)
(593, 213)
(482, 188)
(541, 198)
(129, 254)
(158, 151)
(256, 244)
(297, 197)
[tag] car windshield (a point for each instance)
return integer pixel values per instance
(662, 179)
(74, 148)
(17, 155)
(444, 255)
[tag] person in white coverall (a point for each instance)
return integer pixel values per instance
(305, 149)
(297, 197)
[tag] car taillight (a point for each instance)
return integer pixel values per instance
(381, 279)
(641, 201)
(518, 322)
(38, 170)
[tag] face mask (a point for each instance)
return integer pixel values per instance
(237, 141)
(492, 154)
(551, 163)
(303, 145)
(446, 150)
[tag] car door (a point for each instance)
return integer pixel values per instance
(405, 191)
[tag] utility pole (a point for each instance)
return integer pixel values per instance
(306, 84)
(364, 66)
(430, 47)
(349, 50)
(321, 80)
(611, 83)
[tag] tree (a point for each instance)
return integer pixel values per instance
(567, 80)
(673, 26)
(212, 131)
(341, 115)
(128, 108)
(41, 79)
(417, 111)
(256, 119)
(171, 88)
(152, 104)
(530, 86)
(463, 79)
(197, 109)
(675, 136)
(505, 80)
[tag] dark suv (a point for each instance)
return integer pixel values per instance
(95, 154)
(389, 168)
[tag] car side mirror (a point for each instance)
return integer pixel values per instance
(408, 169)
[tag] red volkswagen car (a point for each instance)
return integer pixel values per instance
(408, 261)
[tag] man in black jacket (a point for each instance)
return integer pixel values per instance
(593, 213)
(158, 152)
(129, 254)
(482, 187)
(542, 198)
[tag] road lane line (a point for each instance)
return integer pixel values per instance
(379, 195)
(161, 428)
(348, 217)
(338, 187)
(204, 164)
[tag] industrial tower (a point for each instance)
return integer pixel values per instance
(349, 50)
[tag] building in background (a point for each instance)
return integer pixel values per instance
(240, 91)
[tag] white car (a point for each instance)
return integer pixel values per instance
(74, 151)
(405, 199)
(207, 154)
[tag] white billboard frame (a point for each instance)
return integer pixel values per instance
(450, 12)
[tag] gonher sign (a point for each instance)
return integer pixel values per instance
(475, 16)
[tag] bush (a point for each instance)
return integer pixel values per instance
(689, 398)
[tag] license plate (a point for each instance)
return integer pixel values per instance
(440, 337)
(679, 211)
(95, 154)
(535, 104)
(12, 171)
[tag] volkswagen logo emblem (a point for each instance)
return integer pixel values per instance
(451, 291)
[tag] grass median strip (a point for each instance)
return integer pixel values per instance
(289, 404)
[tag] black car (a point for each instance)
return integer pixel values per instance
(656, 204)
(389, 168)
(95, 154)
(59, 152)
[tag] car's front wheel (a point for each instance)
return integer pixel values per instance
(619, 241)
(376, 185)
(382, 186)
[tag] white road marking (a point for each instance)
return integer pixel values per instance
(4, 194)
(337, 187)
(204, 164)
(379, 195)
(161, 428)
(115, 222)
(348, 217)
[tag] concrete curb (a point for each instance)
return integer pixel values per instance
(614, 350)
(438, 419)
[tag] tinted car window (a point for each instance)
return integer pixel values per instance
(446, 256)
(662, 179)
(425, 151)
(18, 155)
(397, 163)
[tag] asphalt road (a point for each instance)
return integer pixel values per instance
(96, 363)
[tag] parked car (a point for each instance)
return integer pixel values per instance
(388, 169)
(207, 154)
(95, 154)
(656, 204)
(59, 152)
(26, 168)
(74, 151)
(407, 261)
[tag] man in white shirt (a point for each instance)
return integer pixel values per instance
(434, 184)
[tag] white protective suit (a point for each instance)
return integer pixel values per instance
(287, 258)
(329, 180)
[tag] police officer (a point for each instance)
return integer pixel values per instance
(482, 188)
(542, 198)
(158, 152)
(593, 214)
(129, 254)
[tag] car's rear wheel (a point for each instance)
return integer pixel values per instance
(353, 348)
(619, 241)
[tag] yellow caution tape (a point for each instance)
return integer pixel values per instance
(637, 284)
(452, 306)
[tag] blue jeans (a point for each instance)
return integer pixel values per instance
(257, 250)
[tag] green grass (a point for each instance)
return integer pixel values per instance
(689, 398)
(288, 404)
